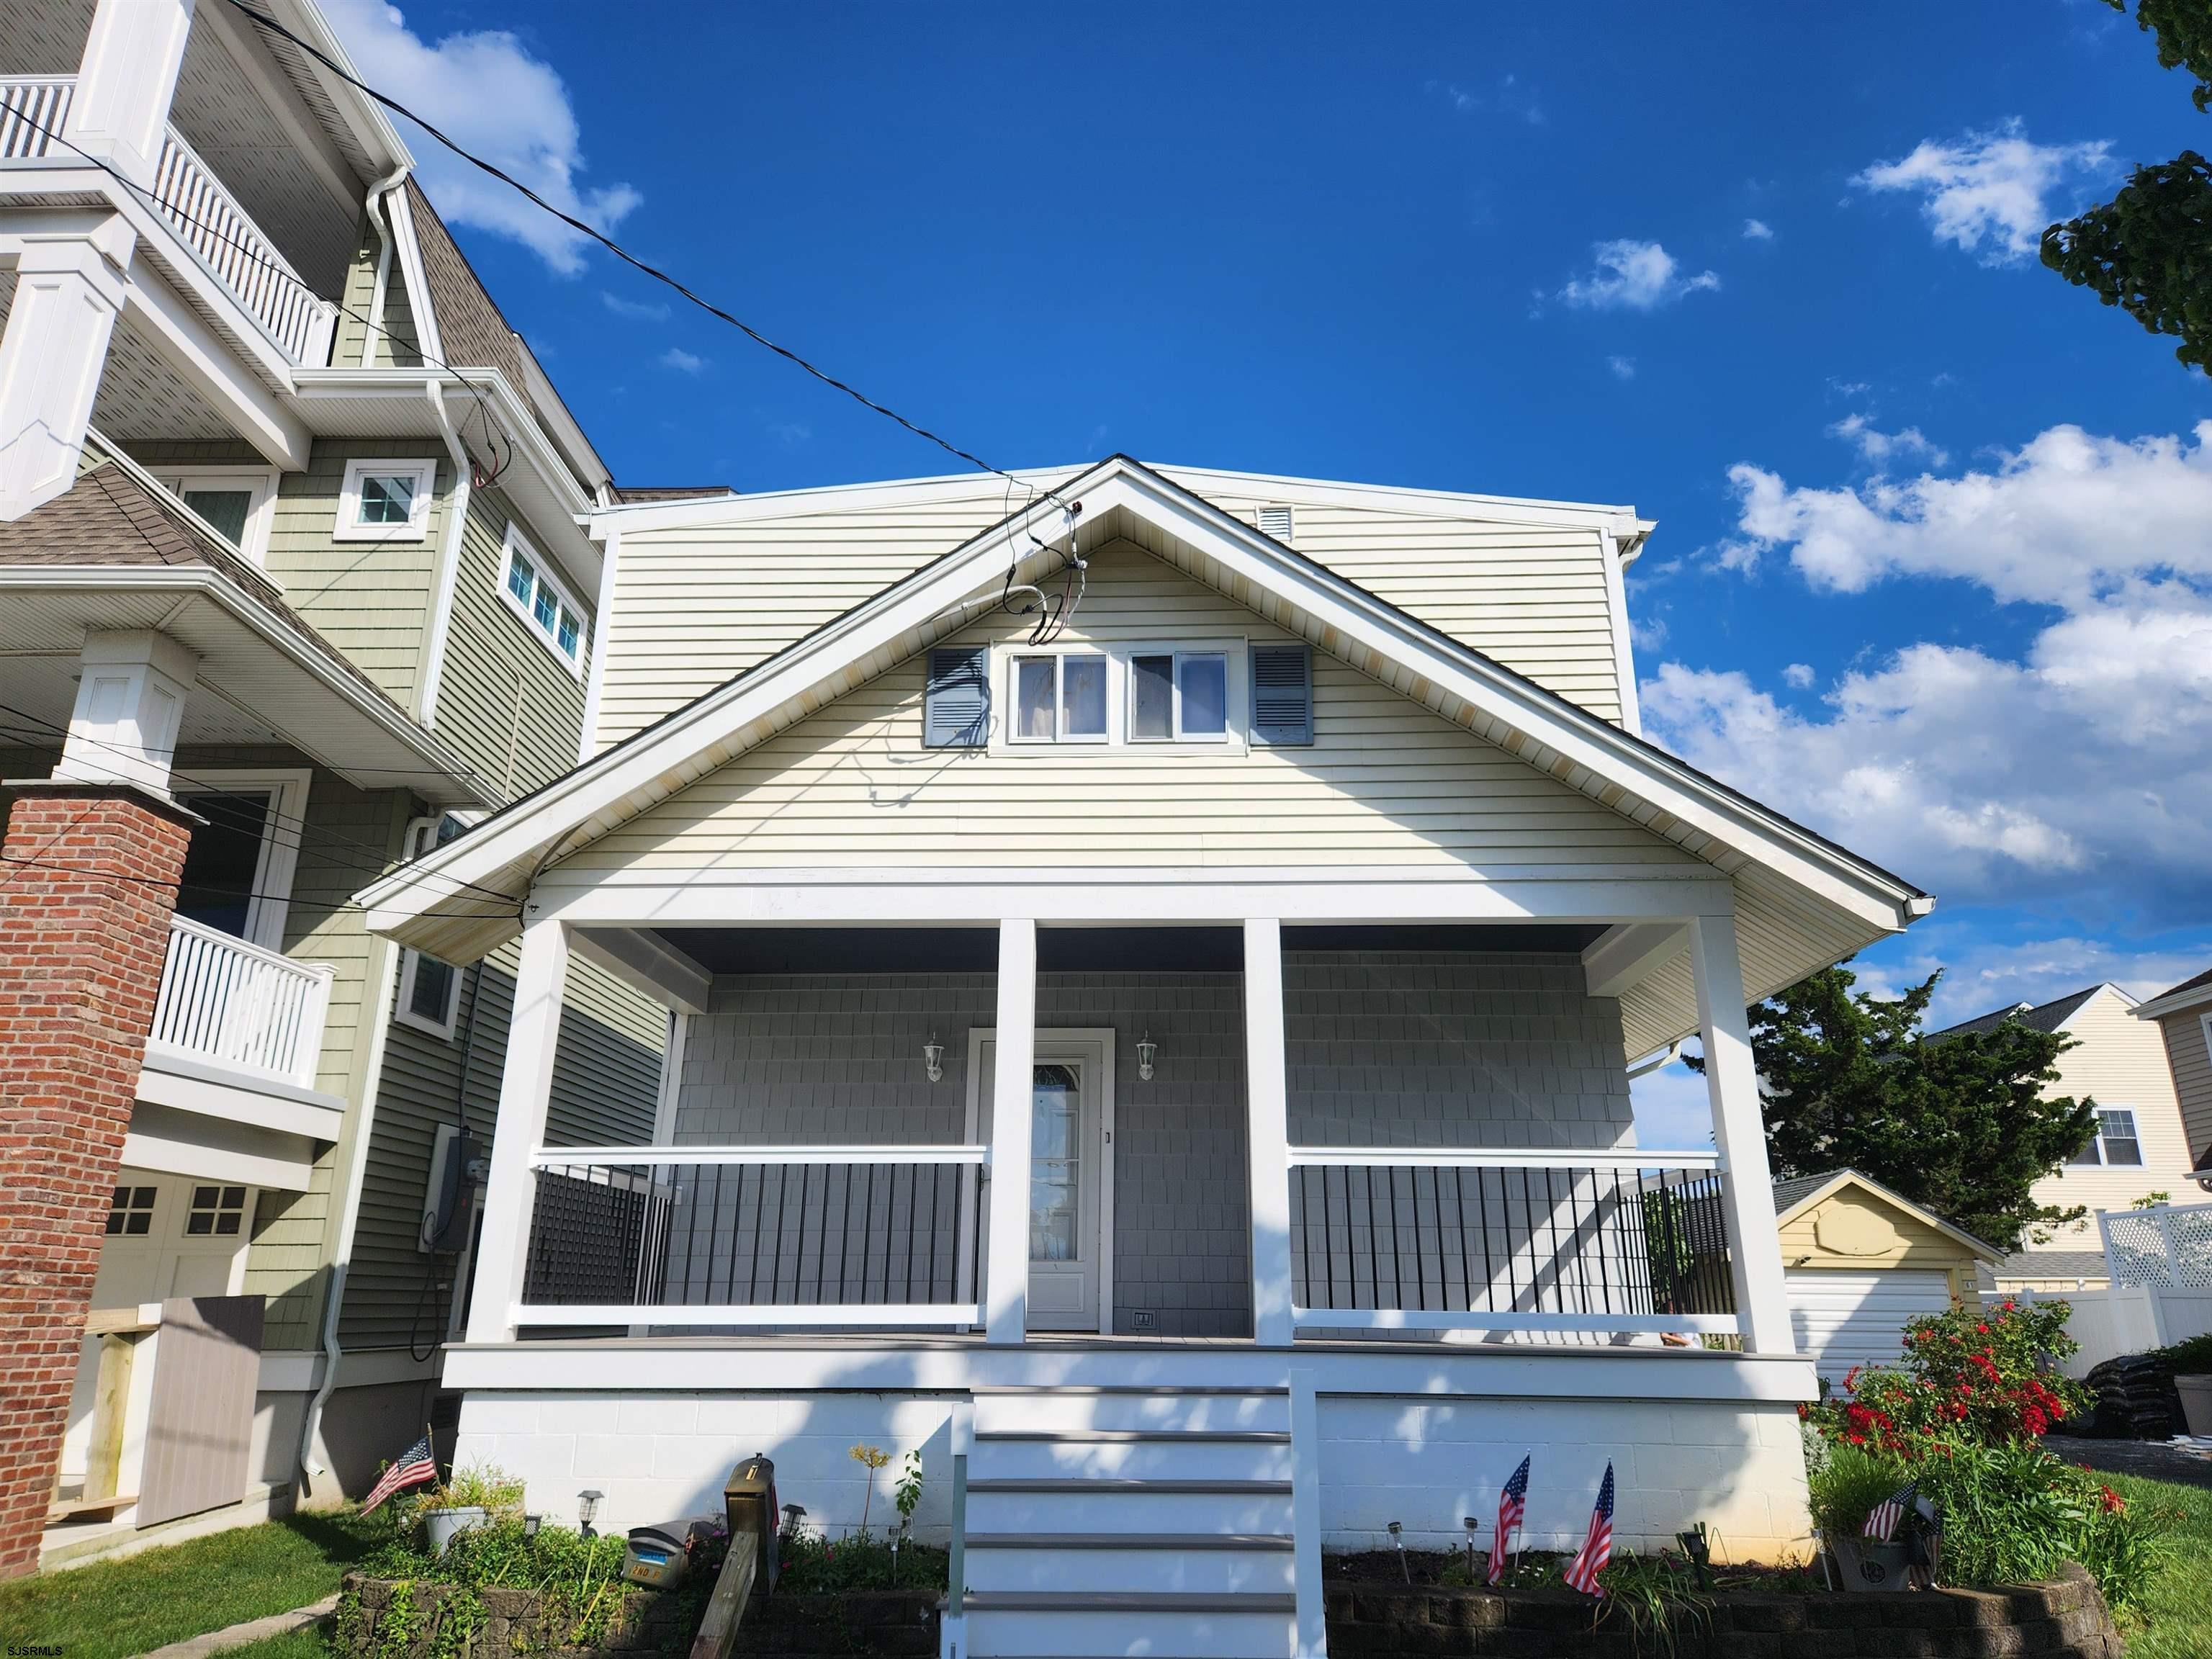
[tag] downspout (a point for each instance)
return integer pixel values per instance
(375, 206)
(449, 559)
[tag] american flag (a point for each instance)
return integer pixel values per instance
(412, 1468)
(1512, 1504)
(1597, 1548)
(1882, 1519)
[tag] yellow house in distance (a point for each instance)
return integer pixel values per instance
(2139, 1148)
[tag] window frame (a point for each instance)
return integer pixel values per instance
(1234, 738)
(424, 835)
(517, 541)
(2097, 1158)
(259, 483)
(349, 528)
(286, 789)
(1061, 737)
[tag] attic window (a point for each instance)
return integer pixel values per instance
(385, 502)
(528, 587)
(1275, 521)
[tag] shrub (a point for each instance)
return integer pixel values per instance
(2013, 1513)
(1985, 1378)
(812, 1565)
(1849, 1482)
(578, 1580)
(2190, 1358)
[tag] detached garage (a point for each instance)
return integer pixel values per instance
(1860, 1262)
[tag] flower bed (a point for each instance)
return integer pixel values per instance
(2065, 1619)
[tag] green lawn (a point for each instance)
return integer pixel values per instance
(2174, 1623)
(117, 1608)
(307, 1644)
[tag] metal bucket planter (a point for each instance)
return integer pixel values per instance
(1864, 1565)
(441, 1527)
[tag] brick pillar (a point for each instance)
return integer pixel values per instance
(81, 954)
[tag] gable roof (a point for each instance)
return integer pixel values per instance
(421, 904)
(1793, 1197)
(2049, 1017)
(2187, 995)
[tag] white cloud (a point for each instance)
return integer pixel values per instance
(485, 90)
(1878, 448)
(1633, 276)
(1981, 973)
(1624, 368)
(2082, 768)
(1673, 1111)
(682, 360)
(1798, 674)
(643, 311)
(1757, 230)
(1510, 96)
(1985, 192)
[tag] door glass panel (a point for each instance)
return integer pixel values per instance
(225, 509)
(217, 887)
(1055, 1163)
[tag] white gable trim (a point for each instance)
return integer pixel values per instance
(1546, 732)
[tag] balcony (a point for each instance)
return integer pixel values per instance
(214, 231)
(240, 1006)
(228, 1089)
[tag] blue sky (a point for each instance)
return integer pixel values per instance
(1934, 564)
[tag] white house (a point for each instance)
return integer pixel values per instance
(1290, 849)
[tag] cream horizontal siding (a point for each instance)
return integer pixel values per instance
(2188, 1052)
(1386, 781)
(370, 599)
(2121, 1062)
(505, 699)
(694, 607)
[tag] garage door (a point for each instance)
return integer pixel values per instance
(1843, 1320)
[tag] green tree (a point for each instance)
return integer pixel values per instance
(2148, 250)
(1958, 1124)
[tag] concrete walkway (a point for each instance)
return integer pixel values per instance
(2153, 1458)
(254, 1630)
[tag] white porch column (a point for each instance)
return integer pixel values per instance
(1006, 1276)
(526, 1088)
(126, 81)
(131, 694)
(1748, 1187)
(1267, 1129)
(68, 291)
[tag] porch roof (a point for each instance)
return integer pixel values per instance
(1807, 899)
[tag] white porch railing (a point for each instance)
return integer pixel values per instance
(1399, 1238)
(207, 219)
(857, 1238)
(32, 109)
(239, 1006)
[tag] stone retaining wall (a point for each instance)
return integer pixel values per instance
(2065, 1619)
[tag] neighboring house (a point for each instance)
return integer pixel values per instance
(1285, 851)
(1860, 1262)
(284, 599)
(2138, 1148)
(2183, 1015)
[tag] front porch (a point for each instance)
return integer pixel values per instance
(1260, 1135)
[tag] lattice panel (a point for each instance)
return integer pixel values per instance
(2168, 1246)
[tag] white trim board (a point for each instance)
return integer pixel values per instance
(1645, 784)
(279, 861)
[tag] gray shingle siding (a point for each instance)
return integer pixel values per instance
(1383, 1048)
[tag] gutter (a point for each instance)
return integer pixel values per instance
(449, 558)
(373, 206)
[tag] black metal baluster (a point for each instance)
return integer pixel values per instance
(798, 1257)
(1397, 1245)
(845, 1240)
(868, 1221)
(775, 1261)
(1598, 1230)
(912, 1202)
(1329, 1234)
(715, 1233)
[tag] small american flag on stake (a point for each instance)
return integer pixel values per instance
(1881, 1522)
(1597, 1548)
(415, 1467)
(1512, 1504)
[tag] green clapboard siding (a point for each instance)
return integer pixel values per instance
(505, 699)
(399, 345)
(370, 599)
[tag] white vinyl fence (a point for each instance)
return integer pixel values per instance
(2160, 1261)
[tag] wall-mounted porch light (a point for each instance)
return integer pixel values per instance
(932, 1058)
(1147, 1051)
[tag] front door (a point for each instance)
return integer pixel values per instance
(1071, 1184)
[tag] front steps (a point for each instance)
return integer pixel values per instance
(1139, 1521)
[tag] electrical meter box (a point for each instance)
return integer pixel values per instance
(749, 1505)
(660, 1556)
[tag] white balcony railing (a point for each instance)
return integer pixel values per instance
(238, 1005)
(33, 109)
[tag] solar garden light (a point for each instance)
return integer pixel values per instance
(1398, 1543)
(792, 1514)
(1698, 1548)
(530, 1525)
(1470, 1522)
(587, 1505)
